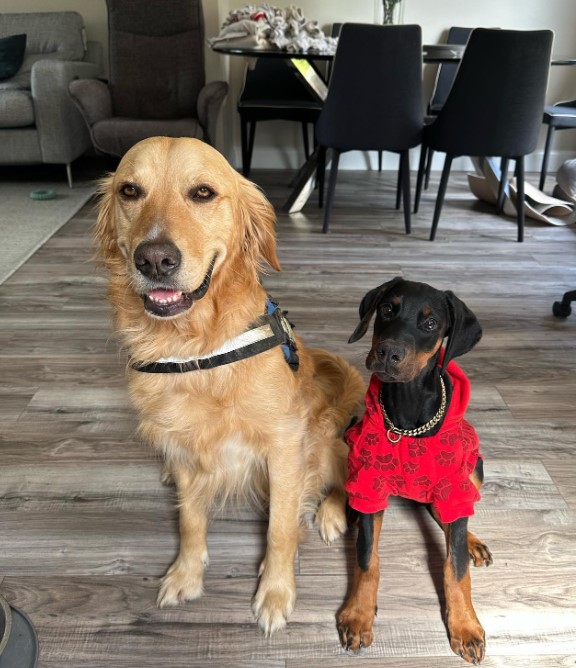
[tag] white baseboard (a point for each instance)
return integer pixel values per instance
(273, 158)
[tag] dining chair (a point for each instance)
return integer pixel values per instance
(374, 101)
(494, 108)
(273, 90)
(445, 75)
(559, 116)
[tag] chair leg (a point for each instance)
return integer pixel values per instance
(244, 146)
(428, 167)
(331, 189)
(69, 174)
(546, 157)
(399, 183)
(380, 161)
(520, 196)
(405, 178)
(420, 177)
(250, 146)
(440, 196)
(501, 185)
(321, 175)
(305, 139)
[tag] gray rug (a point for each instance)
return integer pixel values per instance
(26, 224)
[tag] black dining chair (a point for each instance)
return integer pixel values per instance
(374, 101)
(559, 116)
(445, 75)
(494, 108)
(273, 90)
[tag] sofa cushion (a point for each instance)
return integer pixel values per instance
(11, 55)
(20, 81)
(58, 35)
(16, 109)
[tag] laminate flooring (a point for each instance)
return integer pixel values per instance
(87, 529)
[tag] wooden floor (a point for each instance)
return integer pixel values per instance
(87, 530)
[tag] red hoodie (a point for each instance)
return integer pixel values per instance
(431, 469)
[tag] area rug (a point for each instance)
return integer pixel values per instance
(26, 223)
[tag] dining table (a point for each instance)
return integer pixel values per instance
(305, 63)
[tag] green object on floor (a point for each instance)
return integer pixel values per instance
(43, 194)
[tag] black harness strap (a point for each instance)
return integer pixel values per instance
(282, 335)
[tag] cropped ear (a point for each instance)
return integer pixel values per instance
(258, 220)
(464, 331)
(368, 306)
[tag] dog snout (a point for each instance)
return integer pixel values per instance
(390, 354)
(157, 259)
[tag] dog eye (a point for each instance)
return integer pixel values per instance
(129, 190)
(386, 310)
(202, 193)
(430, 324)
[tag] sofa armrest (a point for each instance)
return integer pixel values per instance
(62, 132)
(92, 97)
(208, 105)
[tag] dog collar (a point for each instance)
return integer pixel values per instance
(398, 433)
(270, 330)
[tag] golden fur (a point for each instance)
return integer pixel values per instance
(254, 427)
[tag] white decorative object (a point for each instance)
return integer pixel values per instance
(267, 27)
(392, 11)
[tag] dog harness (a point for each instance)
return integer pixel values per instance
(270, 330)
(431, 469)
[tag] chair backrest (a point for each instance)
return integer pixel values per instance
(274, 82)
(334, 32)
(496, 103)
(156, 57)
(447, 71)
(374, 100)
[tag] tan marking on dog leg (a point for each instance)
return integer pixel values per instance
(467, 638)
(356, 619)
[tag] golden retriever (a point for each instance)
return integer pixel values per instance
(184, 238)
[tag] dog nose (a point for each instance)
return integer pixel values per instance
(157, 259)
(391, 353)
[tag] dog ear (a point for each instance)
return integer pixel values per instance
(464, 331)
(368, 306)
(104, 232)
(259, 220)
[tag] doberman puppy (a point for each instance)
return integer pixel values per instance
(413, 441)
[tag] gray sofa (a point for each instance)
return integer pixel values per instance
(39, 122)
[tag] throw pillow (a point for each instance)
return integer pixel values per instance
(11, 55)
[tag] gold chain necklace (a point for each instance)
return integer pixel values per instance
(419, 430)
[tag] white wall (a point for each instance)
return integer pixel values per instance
(279, 144)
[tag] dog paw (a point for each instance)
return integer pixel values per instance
(469, 643)
(479, 552)
(181, 583)
(273, 604)
(355, 628)
(331, 519)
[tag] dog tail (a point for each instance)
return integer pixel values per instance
(343, 386)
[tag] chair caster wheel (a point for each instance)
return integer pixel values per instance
(561, 310)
